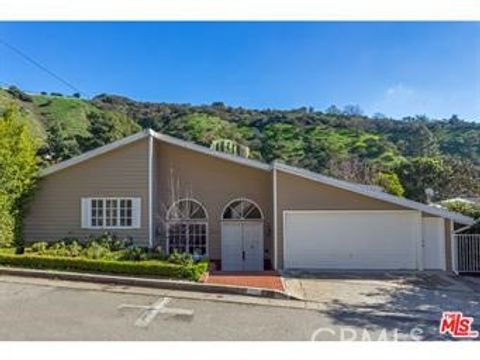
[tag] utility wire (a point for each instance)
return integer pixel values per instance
(40, 66)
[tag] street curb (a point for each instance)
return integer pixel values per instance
(148, 282)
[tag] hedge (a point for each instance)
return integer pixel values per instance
(146, 268)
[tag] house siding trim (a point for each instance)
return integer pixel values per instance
(362, 190)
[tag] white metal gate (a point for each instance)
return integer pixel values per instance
(467, 258)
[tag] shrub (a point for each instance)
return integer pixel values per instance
(19, 94)
(39, 247)
(135, 253)
(180, 258)
(94, 250)
(111, 242)
(142, 268)
(7, 222)
(157, 253)
(74, 249)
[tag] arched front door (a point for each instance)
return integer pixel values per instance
(242, 236)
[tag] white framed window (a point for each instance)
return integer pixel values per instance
(187, 227)
(111, 213)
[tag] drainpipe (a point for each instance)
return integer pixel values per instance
(150, 190)
(275, 240)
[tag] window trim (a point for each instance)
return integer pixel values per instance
(104, 200)
(262, 217)
(205, 222)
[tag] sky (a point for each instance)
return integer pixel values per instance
(395, 68)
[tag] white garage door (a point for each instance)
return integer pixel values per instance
(351, 239)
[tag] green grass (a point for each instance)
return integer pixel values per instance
(27, 113)
(71, 112)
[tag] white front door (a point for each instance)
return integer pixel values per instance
(242, 246)
(433, 232)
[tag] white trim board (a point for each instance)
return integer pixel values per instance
(379, 195)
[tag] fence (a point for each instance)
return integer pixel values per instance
(467, 257)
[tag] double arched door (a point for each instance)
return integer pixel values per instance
(242, 236)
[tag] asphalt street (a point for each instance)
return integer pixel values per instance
(40, 311)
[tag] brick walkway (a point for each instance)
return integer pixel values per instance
(263, 279)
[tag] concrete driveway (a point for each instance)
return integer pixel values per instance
(366, 298)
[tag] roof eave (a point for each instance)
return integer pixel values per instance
(95, 152)
(459, 218)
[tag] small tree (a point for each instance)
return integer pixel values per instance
(390, 182)
(18, 174)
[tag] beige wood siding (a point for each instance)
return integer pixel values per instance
(213, 182)
(55, 210)
(297, 193)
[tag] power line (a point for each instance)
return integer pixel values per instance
(40, 66)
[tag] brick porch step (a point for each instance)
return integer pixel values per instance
(261, 279)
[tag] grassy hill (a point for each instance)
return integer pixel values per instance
(411, 154)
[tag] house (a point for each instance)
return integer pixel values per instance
(243, 214)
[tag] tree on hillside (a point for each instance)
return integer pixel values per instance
(379, 116)
(446, 176)
(333, 110)
(370, 146)
(205, 129)
(417, 140)
(390, 183)
(353, 169)
(18, 174)
(421, 173)
(283, 142)
(461, 178)
(106, 127)
(60, 145)
(322, 145)
(352, 110)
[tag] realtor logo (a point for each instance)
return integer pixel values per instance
(457, 325)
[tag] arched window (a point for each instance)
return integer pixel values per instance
(187, 227)
(242, 209)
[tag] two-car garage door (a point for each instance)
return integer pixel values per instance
(352, 239)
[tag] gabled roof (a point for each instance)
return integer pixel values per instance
(93, 153)
(205, 150)
(373, 193)
(161, 137)
(366, 190)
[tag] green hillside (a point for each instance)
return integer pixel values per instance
(404, 156)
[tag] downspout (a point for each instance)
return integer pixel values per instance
(150, 190)
(453, 248)
(275, 239)
(420, 243)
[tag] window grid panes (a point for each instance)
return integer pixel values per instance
(97, 213)
(126, 212)
(242, 210)
(111, 213)
(187, 228)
